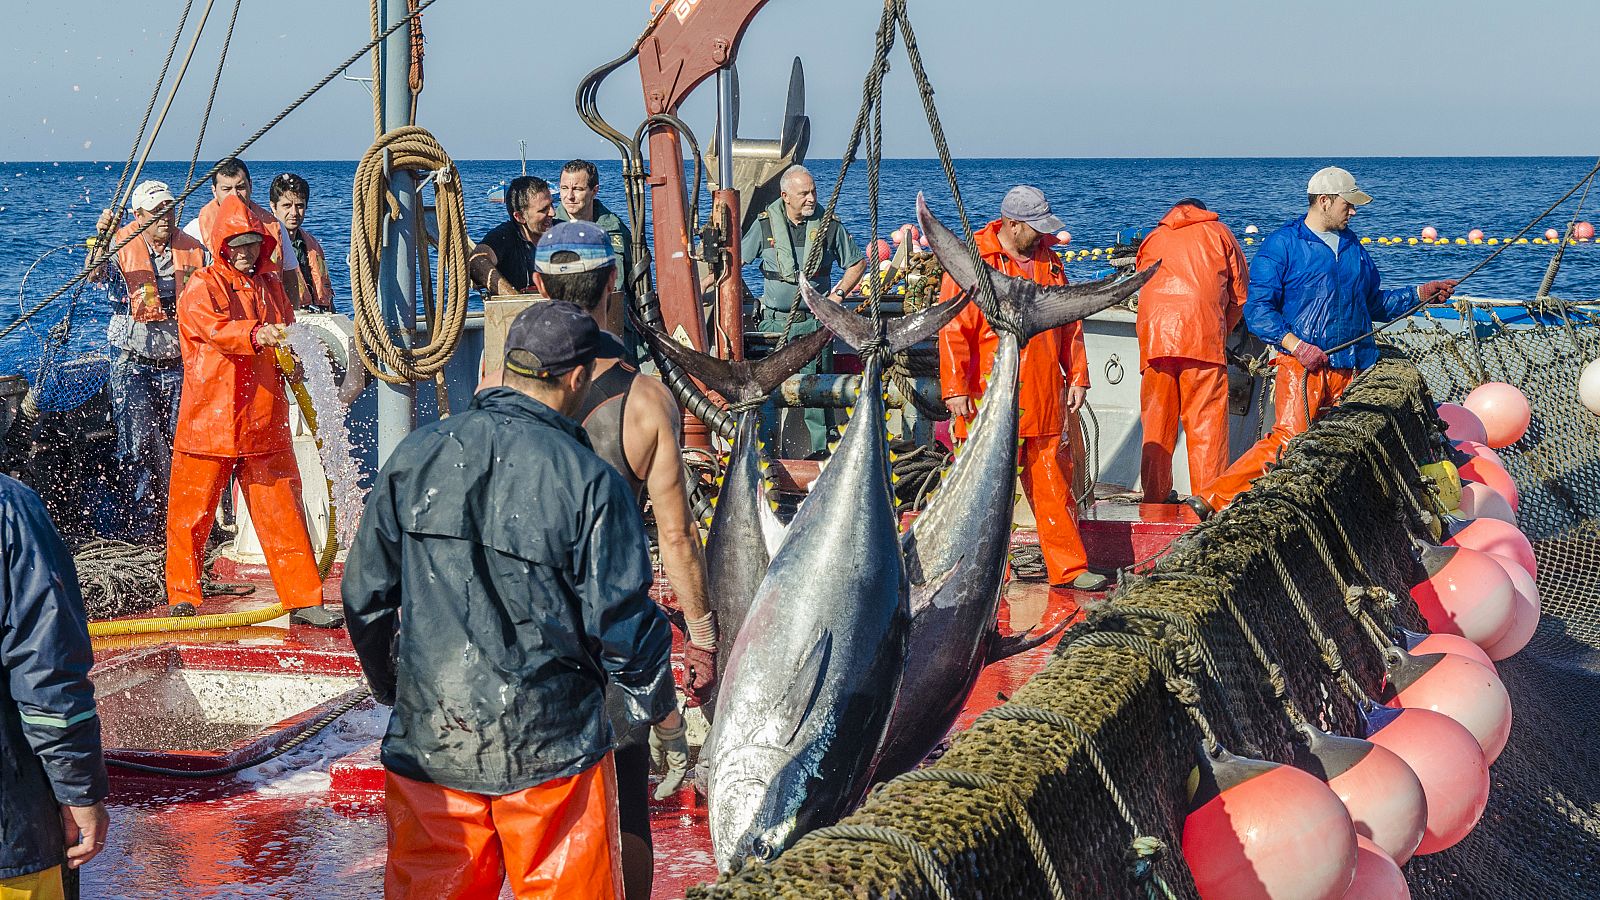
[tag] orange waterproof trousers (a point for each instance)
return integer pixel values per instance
(559, 839)
(1296, 393)
(271, 485)
(1171, 388)
(1047, 482)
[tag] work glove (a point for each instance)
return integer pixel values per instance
(699, 659)
(669, 753)
(1437, 291)
(1310, 356)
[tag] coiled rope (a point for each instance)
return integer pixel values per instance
(412, 148)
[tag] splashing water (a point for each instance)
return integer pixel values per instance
(338, 456)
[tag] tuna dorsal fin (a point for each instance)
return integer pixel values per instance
(801, 697)
(899, 333)
(740, 380)
(1036, 307)
(1010, 645)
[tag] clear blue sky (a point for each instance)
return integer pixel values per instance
(1014, 77)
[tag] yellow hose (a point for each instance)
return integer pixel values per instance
(186, 623)
(302, 398)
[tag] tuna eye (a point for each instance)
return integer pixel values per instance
(763, 850)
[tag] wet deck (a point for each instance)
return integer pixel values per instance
(310, 823)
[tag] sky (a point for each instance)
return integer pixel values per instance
(1014, 78)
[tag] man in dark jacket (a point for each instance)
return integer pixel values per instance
(52, 774)
(499, 580)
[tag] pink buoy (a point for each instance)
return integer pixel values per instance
(1502, 409)
(1486, 471)
(1439, 642)
(1583, 231)
(1492, 536)
(1463, 689)
(1525, 621)
(899, 237)
(1461, 424)
(1430, 233)
(1261, 831)
(1550, 234)
(1475, 235)
(1465, 593)
(883, 248)
(1378, 875)
(1447, 761)
(1479, 501)
(1473, 448)
(1063, 237)
(1381, 793)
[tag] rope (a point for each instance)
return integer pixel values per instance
(237, 152)
(211, 98)
(898, 840)
(411, 148)
(976, 781)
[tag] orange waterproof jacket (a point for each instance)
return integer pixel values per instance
(967, 346)
(271, 262)
(139, 273)
(1190, 305)
(233, 401)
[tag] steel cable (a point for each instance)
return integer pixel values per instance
(211, 98)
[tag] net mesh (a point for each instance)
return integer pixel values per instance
(1270, 611)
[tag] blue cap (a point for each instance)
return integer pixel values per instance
(551, 337)
(588, 240)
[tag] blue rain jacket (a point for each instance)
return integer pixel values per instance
(498, 581)
(49, 733)
(1298, 286)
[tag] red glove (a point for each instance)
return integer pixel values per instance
(699, 673)
(1437, 291)
(1310, 356)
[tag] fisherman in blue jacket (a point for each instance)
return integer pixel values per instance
(1313, 289)
(52, 773)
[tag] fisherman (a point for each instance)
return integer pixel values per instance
(1186, 312)
(580, 181)
(782, 241)
(502, 263)
(147, 372)
(289, 196)
(234, 419)
(53, 780)
(233, 177)
(1313, 288)
(633, 423)
(1054, 380)
(498, 582)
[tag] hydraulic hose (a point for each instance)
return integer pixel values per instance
(186, 623)
(287, 364)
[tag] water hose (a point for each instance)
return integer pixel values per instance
(288, 365)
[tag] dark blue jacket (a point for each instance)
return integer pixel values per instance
(511, 561)
(1297, 285)
(49, 733)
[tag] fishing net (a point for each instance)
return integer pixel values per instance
(71, 357)
(1275, 610)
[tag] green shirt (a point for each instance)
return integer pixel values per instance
(779, 294)
(621, 240)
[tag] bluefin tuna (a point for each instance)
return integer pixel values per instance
(745, 529)
(812, 676)
(956, 550)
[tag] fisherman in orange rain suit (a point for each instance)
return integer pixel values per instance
(1185, 313)
(1016, 244)
(233, 419)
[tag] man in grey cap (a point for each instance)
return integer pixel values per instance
(1314, 295)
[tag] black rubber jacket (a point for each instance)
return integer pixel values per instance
(511, 561)
(49, 733)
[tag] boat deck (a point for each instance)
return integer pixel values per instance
(311, 821)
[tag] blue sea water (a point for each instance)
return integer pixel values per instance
(46, 205)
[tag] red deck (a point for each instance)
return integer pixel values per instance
(310, 823)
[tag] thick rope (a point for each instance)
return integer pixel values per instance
(977, 781)
(411, 148)
(898, 840)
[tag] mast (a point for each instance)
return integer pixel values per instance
(397, 278)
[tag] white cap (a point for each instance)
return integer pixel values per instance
(149, 195)
(1334, 180)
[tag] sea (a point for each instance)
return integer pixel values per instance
(47, 209)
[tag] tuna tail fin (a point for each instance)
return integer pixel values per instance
(1026, 308)
(1010, 645)
(740, 381)
(898, 333)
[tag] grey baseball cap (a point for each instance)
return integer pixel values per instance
(1026, 203)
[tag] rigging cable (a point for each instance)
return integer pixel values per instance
(216, 80)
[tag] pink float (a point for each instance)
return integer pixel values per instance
(1460, 424)
(1261, 831)
(1475, 235)
(1462, 689)
(1378, 876)
(1381, 793)
(1486, 471)
(1430, 233)
(1550, 234)
(1441, 642)
(1502, 409)
(1492, 536)
(1063, 237)
(1479, 501)
(1447, 761)
(1473, 448)
(1465, 593)
(1525, 621)
(1583, 230)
